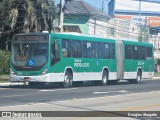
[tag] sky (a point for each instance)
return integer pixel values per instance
(95, 3)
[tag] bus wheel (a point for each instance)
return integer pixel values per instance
(138, 78)
(104, 78)
(67, 80)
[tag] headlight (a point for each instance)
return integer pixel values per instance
(45, 71)
(11, 72)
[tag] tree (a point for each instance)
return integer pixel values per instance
(25, 16)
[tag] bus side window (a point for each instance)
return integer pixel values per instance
(76, 49)
(96, 50)
(105, 50)
(142, 53)
(87, 50)
(128, 51)
(66, 48)
(112, 51)
(148, 53)
(135, 50)
(99, 50)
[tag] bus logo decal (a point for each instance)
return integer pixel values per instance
(31, 62)
(78, 63)
(97, 62)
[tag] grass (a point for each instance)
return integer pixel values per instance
(4, 78)
(157, 74)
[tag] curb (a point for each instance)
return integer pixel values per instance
(11, 84)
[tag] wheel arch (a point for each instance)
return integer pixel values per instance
(69, 69)
(105, 69)
(139, 69)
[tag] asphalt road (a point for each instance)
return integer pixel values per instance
(122, 96)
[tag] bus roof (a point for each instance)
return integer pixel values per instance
(84, 36)
(97, 36)
(80, 34)
(131, 40)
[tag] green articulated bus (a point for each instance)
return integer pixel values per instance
(67, 58)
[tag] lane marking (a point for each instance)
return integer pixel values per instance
(47, 90)
(4, 88)
(75, 99)
(120, 91)
(57, 90)
(14, 96)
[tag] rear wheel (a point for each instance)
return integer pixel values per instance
(67, 80)
(138, 78)
(104, 78)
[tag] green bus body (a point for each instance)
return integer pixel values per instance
(83, 57)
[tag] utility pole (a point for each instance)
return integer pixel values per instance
(139, 8)
(146, 31)
(61, 15)
(141, 37)
(95, 25)
(102, 5)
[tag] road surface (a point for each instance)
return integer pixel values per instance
(122, 96)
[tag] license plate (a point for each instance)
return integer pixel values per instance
(27, 78)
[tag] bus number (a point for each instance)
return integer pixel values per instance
(140, 63)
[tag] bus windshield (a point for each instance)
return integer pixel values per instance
(29, 52)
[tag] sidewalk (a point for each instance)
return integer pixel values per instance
(12, 84)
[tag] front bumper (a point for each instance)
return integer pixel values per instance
(39, 78)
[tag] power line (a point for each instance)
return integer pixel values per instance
(122, 33)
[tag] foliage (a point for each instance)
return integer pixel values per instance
(158, 61)
(4, 62)
(17, 16)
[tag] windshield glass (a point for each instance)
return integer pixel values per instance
(29, 52)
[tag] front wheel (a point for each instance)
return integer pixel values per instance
(67, 80)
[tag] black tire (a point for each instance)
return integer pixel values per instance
(67, 80)
(104, 81)
(138, 78)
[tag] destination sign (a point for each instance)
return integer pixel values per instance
(31, 38)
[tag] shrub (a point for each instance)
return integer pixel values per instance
(4, 62)
(158, 61)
